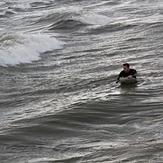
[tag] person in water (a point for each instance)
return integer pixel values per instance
(127, 72)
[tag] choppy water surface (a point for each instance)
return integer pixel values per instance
(59, 61)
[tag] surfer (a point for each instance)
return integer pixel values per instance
(127, 72)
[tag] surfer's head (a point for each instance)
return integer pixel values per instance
(126, 67)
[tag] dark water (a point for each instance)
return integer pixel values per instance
(59, 61)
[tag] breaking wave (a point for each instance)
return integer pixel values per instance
(25, 48)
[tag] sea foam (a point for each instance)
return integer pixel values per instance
(25, 48)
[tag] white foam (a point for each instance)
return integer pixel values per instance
(25, 48)
(95, 19)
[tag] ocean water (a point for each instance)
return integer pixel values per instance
(59, 61)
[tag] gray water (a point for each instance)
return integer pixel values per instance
(59, 61)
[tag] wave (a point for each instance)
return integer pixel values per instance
(79, 20)
(25, 48)
(66, 24)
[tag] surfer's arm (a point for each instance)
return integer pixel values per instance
(120, 75)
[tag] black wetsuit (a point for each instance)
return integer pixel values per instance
(132, 72)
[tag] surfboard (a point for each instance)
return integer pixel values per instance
(127, 80)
